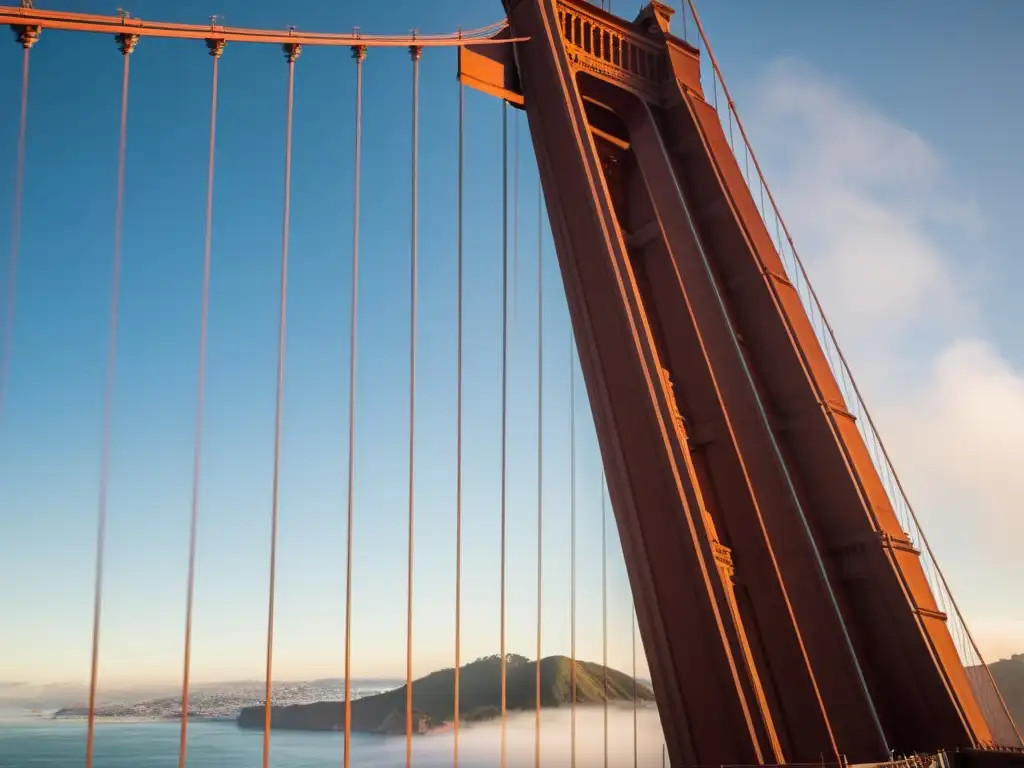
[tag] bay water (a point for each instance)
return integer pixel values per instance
(37, 742)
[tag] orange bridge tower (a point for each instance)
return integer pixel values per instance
(784, 610)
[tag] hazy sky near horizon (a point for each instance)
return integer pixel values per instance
(900, 194)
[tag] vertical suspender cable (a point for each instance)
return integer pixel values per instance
(27, 37)
(572, 548)
(416, 53)
(291, 52)
(126, 44)
(458, 435)
(515, 215)
(359, 54)
(540, 459)
(633, 633)
(504, 417)
(604, 613)
(216, 48)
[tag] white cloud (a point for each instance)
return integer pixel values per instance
(885, 235)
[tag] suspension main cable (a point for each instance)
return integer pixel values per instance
(415, 52)
(216, 48)
(86, 22)
(27, 36)
(359, 54)
(702, 36)
(126, 44)
(458, 432)
(504, 419)
(291, 52)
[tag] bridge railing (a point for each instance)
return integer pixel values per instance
(717, 93)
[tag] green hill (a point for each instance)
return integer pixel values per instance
(480, 696)
(1009, 676)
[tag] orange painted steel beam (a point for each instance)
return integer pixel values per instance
(1004, 731)
(777, 580)
(899, 634)
(115, 25)
(491, 70)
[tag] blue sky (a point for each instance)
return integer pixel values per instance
(886, 74)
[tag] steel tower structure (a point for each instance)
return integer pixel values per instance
(784, 610)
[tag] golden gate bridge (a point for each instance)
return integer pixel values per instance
(790, 605)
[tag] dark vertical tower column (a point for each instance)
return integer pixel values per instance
(713, 706)
(784, 612)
